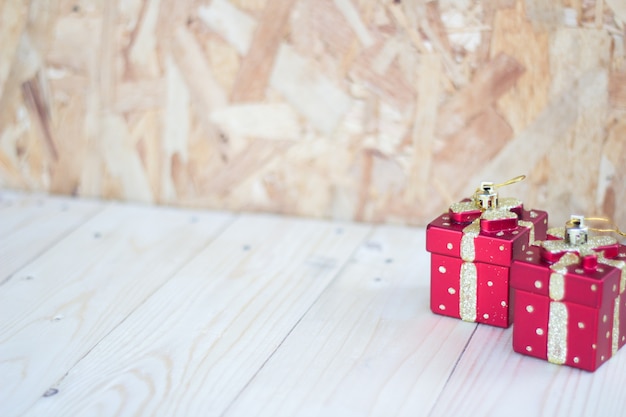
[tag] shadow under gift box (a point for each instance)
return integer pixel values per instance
(573, 313)
(470, 275)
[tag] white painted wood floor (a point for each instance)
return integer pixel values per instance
(125, 310)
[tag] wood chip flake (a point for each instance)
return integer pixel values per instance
(308, 90)
(259, 120)
(235, 26)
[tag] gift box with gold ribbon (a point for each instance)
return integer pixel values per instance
(472, 247)
(569, 303)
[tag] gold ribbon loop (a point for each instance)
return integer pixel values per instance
(556, 246)
(498, 214)
(463, 206)
(508, 203)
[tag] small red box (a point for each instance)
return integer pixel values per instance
(485, 301)
(472, 251)
(569, 307)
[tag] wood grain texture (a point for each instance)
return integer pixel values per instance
(256, 68)
(361, 349)
(144, 311)
(31, 224)
(496, 78)
(60, 305)
(242, 297)
(491, 379)
(401, 106)
(13, 16)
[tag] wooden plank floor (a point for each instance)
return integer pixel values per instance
(123, 310)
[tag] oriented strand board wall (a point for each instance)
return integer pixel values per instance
(381, 111)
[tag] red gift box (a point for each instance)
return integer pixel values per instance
(497, 242)
(569, 307)
(476, 292)
(472, 248)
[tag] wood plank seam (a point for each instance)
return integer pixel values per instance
(451, 375)
(269, 357)
(222, 229)
(226, 289)
(51, 245)
(198, 229)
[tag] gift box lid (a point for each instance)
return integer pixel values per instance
(573, 280)
(495, 240)
(485, 227)
(572, 266)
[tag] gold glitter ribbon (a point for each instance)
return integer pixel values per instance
(621, 265)
(468, 276)
(557, 286)
(557, 232)
(615, 340)
(470, 232)
(531, 234)
(556, 246)
(558, 315)
(504, 204)
(508, 203)
(463, 206)
(468, 288)
(498, 214)
(557, 333)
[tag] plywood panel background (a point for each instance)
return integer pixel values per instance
(381, 111)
